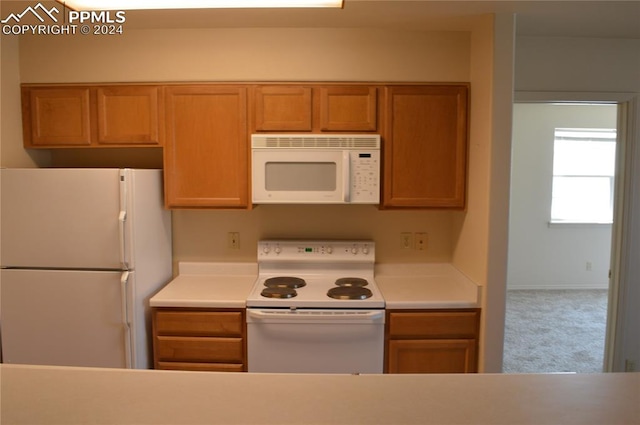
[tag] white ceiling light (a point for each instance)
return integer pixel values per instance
(193, 4)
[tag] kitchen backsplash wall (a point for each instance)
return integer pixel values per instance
(203, 235)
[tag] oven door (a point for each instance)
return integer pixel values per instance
(315, 341)
(300, 176)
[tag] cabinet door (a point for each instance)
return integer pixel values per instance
(283, 108)
(432, 356)
(128, 115)
(56, 116)
(206, 146)
(348, 108)
(425, 146)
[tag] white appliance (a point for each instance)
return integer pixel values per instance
(315, 308)
(315, 168)
(82, 251)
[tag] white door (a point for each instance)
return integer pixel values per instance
(61, 218)
(60, 317)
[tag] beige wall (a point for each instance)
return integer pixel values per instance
(11, 152)
(247, 54)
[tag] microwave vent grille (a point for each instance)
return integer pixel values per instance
(368, 141)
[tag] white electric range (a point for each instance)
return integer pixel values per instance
(315, 308)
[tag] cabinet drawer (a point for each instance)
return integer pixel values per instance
(193, 349)
(199, 323)
(432, 356)
(435, 324)
(201, 367)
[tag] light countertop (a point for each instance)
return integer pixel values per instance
(208, 285)
(55, 395)
(404, 286)
(426, 286)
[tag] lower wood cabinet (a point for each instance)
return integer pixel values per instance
(199, 339)
(432, 341)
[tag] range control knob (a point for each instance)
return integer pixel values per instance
(277, 250)
(266, 249)
(329, 250)
(365, 250)
(354, 250)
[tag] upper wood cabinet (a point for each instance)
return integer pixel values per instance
(425, 146)
(315, 108)
(348, 108)
(58, 116)
(90, 116)
(282, 108)
(206, 146)
(128, 115)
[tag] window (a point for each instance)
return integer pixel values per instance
(583, 175)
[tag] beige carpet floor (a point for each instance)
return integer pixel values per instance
(549, 331)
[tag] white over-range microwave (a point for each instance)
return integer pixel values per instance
(315, 168)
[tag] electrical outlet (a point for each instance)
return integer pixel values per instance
(421, 241)
(233, 240)
(629, 365)
(406, 240)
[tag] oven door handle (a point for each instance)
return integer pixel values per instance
(350, 316)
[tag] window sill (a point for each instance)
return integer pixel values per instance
(576, 224)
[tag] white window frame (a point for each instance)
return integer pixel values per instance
(606, 171)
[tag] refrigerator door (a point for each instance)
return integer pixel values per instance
(65, 318)
(61, 218)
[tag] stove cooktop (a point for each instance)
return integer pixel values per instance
(316, 274)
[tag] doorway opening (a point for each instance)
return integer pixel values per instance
(560, 236)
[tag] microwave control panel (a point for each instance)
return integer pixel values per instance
(364, 186)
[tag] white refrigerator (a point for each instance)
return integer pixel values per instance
(82, 251)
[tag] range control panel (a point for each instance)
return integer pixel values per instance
(300, 250)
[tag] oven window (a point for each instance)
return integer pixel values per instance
(301, 176)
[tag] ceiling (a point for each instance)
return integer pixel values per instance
(586, 18)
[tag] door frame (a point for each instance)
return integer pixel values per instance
(625, 240)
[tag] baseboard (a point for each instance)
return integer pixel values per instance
(563, 287)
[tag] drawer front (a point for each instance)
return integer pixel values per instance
(436, 324)
(201, 367)
(200, 323)
(432, 356)
(193, 349)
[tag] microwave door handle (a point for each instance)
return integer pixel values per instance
(346, 176)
